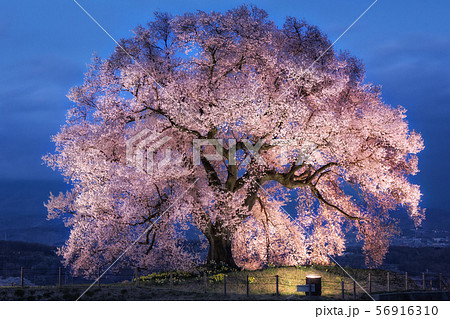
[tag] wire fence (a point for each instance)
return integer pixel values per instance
(269, 282)
(26, 276)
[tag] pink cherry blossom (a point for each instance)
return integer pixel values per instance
(238, 78)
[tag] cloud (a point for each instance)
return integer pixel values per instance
(43, 80)
(414, 72)
(33, 104)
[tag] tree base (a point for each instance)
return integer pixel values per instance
(219, 253)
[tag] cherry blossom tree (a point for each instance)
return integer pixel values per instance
(255, 116)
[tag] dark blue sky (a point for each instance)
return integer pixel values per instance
(45, 46)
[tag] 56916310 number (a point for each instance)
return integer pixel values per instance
(407, 310)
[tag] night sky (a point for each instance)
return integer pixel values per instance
(45, 46)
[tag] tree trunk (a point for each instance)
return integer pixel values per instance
(220, 251)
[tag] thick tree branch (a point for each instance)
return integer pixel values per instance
(321, 169)
(319, 196)
(211, 173)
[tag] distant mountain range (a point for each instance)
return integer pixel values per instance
(23, 215)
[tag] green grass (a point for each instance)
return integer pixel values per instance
(263, 282)
(192, 286)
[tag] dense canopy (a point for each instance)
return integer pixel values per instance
(293, 121)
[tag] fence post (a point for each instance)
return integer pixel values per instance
(343, 289)
(354, 290)
(60, 277)
(406, 281)
(423, 281)
(171, 280)
(370, 283)
(205, 280)
(248, 287)
(224, 285)
(440, 281)
(388, 282)
(21, 277)
(276, 284)
(98, 277)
